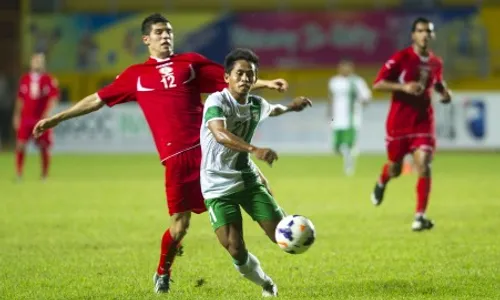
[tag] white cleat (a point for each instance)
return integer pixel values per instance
(161, 283)
(270, 290)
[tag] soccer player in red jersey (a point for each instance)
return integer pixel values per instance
(167, 88)
(38, 93)
(410, 75)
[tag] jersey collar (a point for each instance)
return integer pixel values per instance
(226, 91)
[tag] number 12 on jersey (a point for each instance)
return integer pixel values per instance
(167, 77)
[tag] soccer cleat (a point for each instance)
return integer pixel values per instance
(162, 283)
(421, 223)
(270, 290)
(180, 251)
(377, 195)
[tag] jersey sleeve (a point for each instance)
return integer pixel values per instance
(210, 75)
(22, 88)
(438, 76)
(265, 109)
(213, 109)
(391, 69)
(53, 88)
(121, 90)
(365, 93)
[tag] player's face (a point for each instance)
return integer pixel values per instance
(242, 77)
(38, 62)
(160, 40)
(346, 68)
(423, 34)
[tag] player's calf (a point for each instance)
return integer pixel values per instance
(423, 160)
(179, 224)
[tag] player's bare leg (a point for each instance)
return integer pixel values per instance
(171, 241)
(45, 160)
(230, 237)
(389, 170)
(423, 159)
(269, 227)
(20, 153)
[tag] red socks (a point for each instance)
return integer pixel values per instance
(384, 177)
(423, 190)
(19, 162)
(45, 155)
(45, 159)
(168, 251)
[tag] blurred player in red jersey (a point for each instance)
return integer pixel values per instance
(410, 75)
(167, 88)
(37, 95)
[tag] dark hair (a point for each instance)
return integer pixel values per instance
(150, 20)
(419, 20)
(240, 54)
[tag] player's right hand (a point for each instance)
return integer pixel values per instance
(265, 154)
(413, 88)
(44, 125)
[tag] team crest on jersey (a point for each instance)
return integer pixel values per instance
(424, 74)
(166, 70)
(255, 115)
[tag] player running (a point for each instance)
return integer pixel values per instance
(167, 88)
(37, 95)
(410, 75)
(229, 178)
(348, 92)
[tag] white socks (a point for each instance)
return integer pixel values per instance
(348, 159)
(252, 271)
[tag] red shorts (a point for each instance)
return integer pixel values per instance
(25, 133)
(182, 182)
(398, 147)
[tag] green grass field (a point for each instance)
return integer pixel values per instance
(93, 232)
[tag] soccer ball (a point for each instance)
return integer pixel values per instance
(295, 234)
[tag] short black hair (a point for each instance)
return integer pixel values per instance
(148, 22)
(419, 20)
(240, 54)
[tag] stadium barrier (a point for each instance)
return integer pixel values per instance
(469, 123)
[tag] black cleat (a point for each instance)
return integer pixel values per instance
(377, 195)
(422, 223)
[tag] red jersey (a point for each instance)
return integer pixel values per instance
(168, 92)
(409, 114)
(35, 92)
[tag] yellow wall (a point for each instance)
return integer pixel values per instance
(490, 17)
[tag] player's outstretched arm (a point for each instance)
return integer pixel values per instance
(280, 85)
(87, 105)
(298, 104)
(234, 142)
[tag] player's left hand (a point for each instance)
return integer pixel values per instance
(281, 85)
(299, 103)
(446, 97)
(44, 125)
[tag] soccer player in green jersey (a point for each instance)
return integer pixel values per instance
(229, 178)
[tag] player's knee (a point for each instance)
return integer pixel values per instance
(395, 169)
(179, 225)
(424, 169)
(20, 146)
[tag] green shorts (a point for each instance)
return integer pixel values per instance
(256, 201)
(344, 137)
